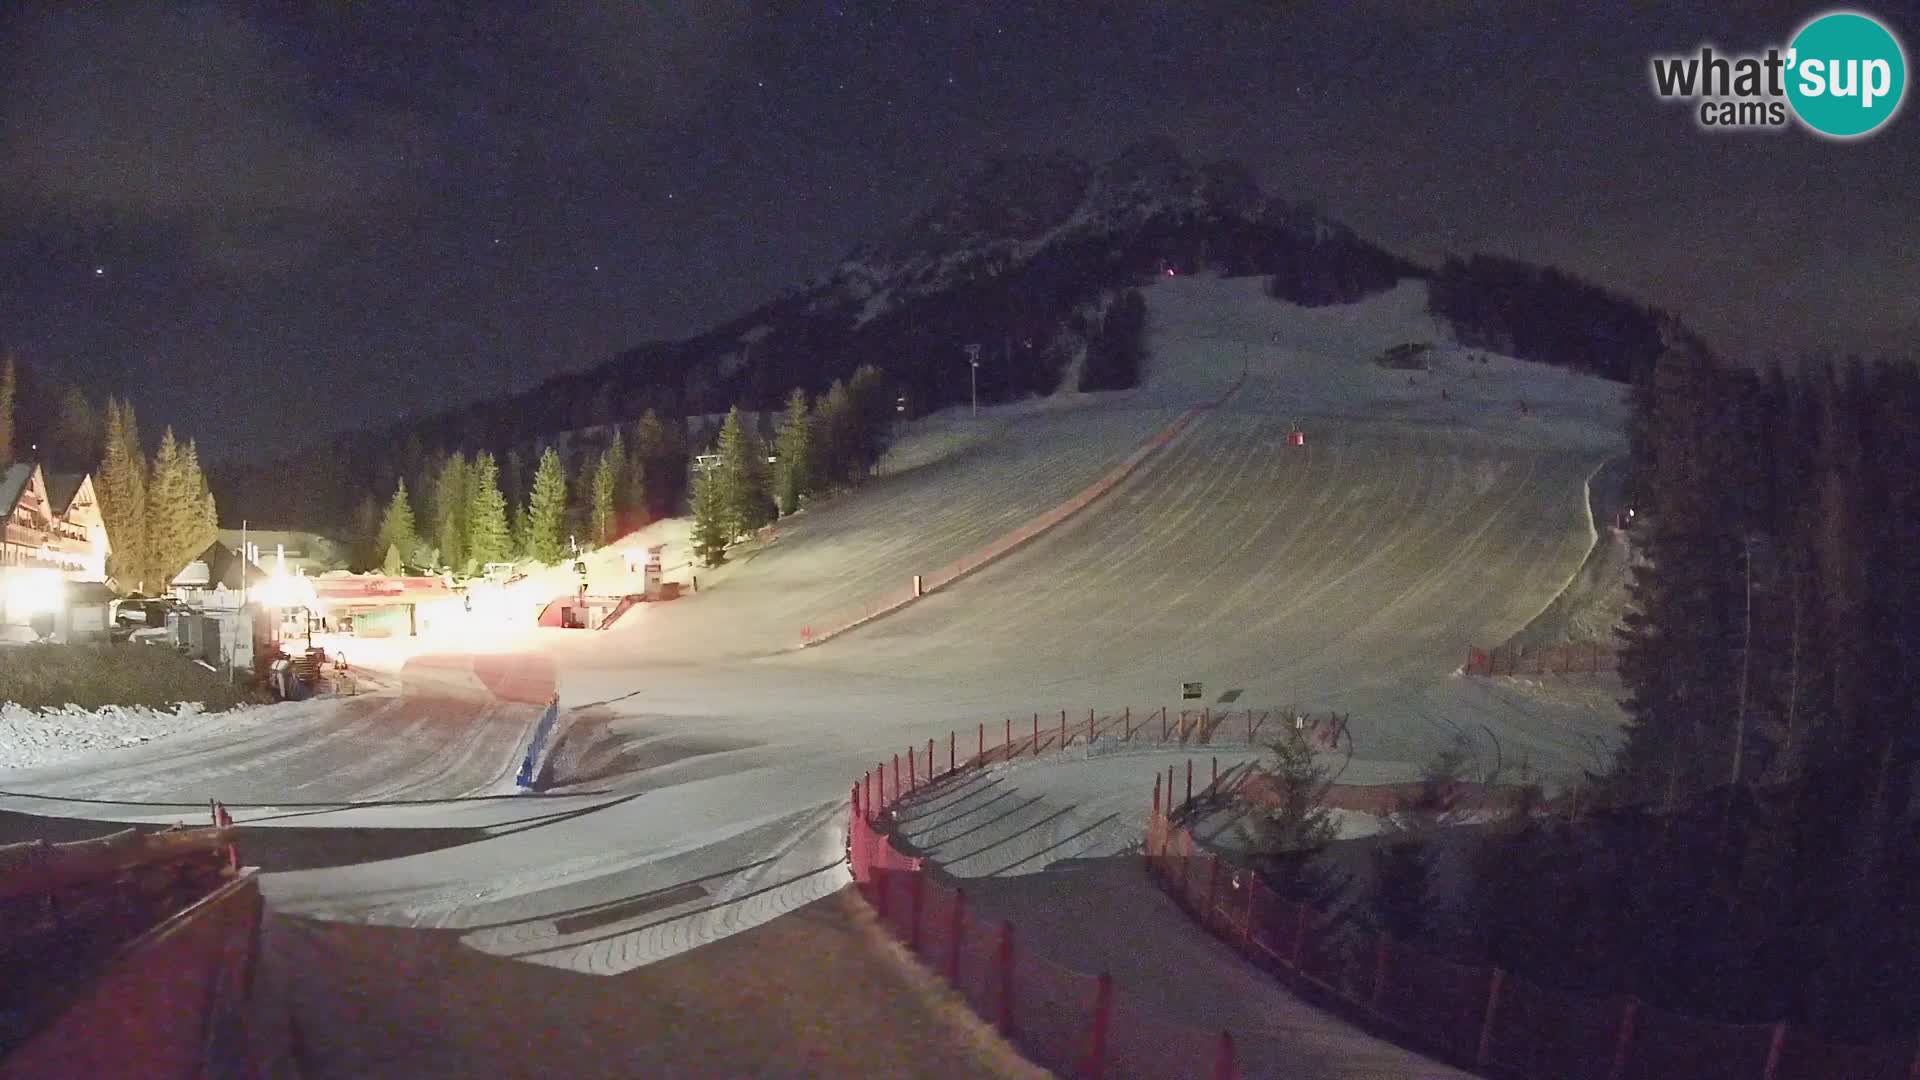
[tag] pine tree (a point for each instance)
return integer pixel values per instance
(546, 520)
(7, 388)
(75, 441)
(398, 539)
(202, 516)
(451, 512)
(122, 489)
(660, 468)
(794, 450)
(604, 515)
(625, 511)
(710, 526)
(745, 505)
(171, 514)
(835, 431)
(1286, 833)
(366, 534)
(489, 538)
(872, 408)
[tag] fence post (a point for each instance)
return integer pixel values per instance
(869, 799)
(1223, 1057)
(1063, 729)
(953, 742)
(1380, 951)
(1494, 982)
(981, 753)
(1156, 793)
(1163, 723)
(1006, 979)
(1102, 1010)
(1090, 732)
(1213, 785)
(1126, 723)
(1189, 802)
(1213, 886)
(913, 771)
(1009, 746)
(919, 900)
(1623, 1042)
(1036, 734)
(1205, 730)
(1774, 1047)
(856, 802)
(1300, 936)
(1169, 791)
(958, 931)
(929, 761)
(896, 778)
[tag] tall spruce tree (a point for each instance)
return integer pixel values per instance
(794, 451)
(122, 489)
(172, 516)
(8, 387)
(366, 534)
(835, 431)
(660, 464)
(603, 514)
(711, 528)
(745, 503)
(546, 520)
(75, 441)
(451, 512)
(398, 538)
(203, 517)
(489, 538)
(625, 511)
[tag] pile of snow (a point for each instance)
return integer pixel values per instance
(30, 737)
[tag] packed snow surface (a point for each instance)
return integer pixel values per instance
(704, 759)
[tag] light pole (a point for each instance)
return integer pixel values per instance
(973, 375)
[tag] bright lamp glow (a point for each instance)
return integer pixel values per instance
(33, 592)
(289, 591)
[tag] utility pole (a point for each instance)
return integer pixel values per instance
(973, 364)
(1746, 651)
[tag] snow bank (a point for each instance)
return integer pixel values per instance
(30, 738)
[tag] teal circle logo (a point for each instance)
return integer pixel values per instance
(1846, 74)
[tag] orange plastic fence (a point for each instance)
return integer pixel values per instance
(1068, 1022)
(1497, 1022)
(171, 1003)
(1567, 658)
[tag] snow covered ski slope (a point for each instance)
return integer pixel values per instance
(703, 757)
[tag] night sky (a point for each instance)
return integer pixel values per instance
(267, 227)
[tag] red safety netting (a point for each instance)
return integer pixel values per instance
(1486, 1017)
(1804, 1056)
(1443, 1001)
(1664, 1044)
(1472, 1014)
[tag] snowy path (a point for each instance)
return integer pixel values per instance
(1052, 846)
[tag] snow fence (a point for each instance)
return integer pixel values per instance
(1490, 1020)
(171, 1000)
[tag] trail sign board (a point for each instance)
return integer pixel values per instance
(1190, 691)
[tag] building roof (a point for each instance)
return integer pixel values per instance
(61, 488)
(13, 484)
(223, 567)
